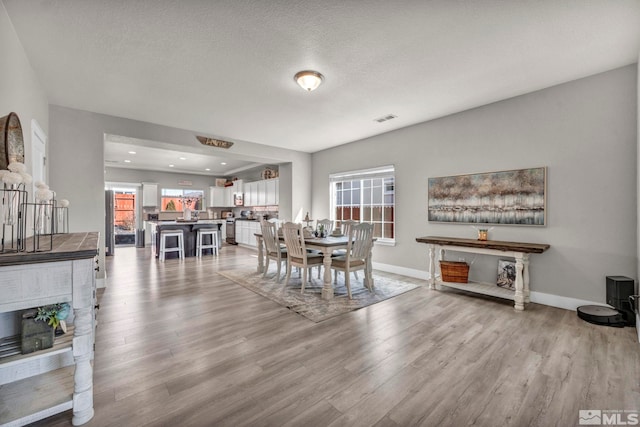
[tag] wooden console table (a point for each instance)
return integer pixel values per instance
(517, 250)
(40, 384)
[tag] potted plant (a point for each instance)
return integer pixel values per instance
(39, 326)
(54, 315)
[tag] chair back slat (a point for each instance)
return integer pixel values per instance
(270, 236)
(328, 225)
(346, 226)
(360, 241)
(293, 240)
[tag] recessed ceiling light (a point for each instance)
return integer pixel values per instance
(170, 166)
(183, 158)
(223, 163)
(207, 169)
(132, 152)
(127, 161)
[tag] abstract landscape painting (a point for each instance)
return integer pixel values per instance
(507, 197)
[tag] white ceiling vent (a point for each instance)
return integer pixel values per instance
(385, 118)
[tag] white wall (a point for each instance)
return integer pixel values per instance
(163, 179)
(584, 131)
(20, 92)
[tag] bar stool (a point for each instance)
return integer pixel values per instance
(214, 240)
(164, 235)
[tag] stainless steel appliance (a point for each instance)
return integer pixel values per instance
(231, 231)
(109, 235)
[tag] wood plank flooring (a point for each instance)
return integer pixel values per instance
(179, 344)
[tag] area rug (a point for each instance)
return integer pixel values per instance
(310, 304)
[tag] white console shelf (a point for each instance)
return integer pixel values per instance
(37, 385)
(517, 250)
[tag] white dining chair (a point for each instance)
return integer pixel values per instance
(327, 224)
(345, 228)
(297, 255)
(273, 249)
(357, 255)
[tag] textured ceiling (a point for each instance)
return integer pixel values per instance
(225, 68)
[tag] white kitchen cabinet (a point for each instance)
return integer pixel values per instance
(242, 232)
(254, 227)
(251, 194)
(230, 191)
(248, 200)
(217, 197)
(223, 231)
(262, 193)
(228, 196)
(149, 229)
(245, 233)
(149, 194)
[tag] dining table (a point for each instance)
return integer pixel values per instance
(325, 245)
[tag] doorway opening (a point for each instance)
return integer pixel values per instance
(124, 216)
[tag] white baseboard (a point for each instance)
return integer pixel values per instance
(538, 297)
(559, 301)
(404, 271)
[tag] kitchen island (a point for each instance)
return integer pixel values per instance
(190, 230)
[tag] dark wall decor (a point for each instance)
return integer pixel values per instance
(11, 140)
(515, 197)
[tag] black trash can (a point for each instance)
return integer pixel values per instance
(139, 238)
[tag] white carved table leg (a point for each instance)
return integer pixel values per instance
(327, 288)
(440, 258)
(83, 276)
(519, 295)
(525, 274)
(432, 266)
(261, 265)
(83, 375)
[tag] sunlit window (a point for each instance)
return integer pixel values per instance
(366, 196)
(179, 199)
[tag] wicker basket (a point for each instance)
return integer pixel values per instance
(454, 271)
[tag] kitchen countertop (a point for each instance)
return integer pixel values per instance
(202, 221)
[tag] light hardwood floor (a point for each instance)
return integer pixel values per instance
(180, 345)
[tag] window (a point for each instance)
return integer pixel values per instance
(366, 196)
(178, 200)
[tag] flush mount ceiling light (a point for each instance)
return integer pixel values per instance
(308, 80)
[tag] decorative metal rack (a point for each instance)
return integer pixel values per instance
(40, 216)
(12, 216)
